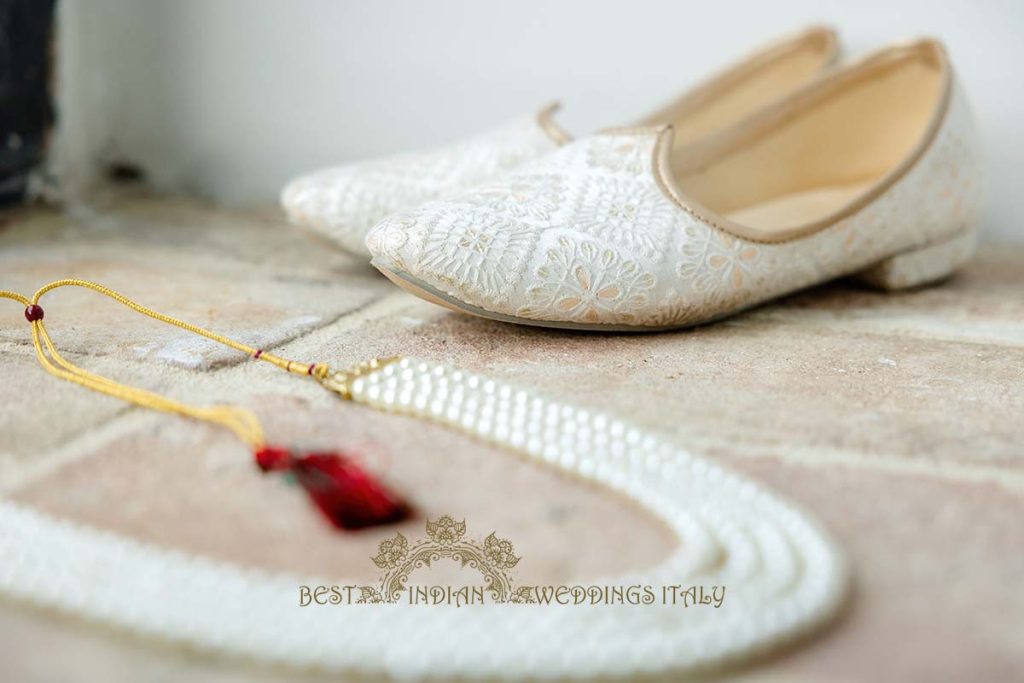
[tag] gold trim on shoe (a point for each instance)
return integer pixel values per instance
(755, 127)
(546, 120)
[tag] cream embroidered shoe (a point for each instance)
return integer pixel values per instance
(344, 203)
(871, 170)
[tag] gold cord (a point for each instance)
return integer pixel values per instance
(239, 420)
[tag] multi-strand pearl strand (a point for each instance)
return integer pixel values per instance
(783, 574)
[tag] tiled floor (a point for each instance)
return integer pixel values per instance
(898, 420)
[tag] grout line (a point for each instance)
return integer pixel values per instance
(91, 436)
(1008, 479)
(19, 345)
(378, 309)
(278, 346)
(821, 321)
(88, 440)
(77, 446)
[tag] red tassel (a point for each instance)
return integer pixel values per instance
(347, 495)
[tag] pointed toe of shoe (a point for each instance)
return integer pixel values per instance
(458, 256)
(336, 204)
(299, 200)
(389, 244)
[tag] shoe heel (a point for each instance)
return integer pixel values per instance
(921, 266)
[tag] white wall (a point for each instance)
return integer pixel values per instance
(231, 97)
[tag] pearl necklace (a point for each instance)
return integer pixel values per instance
(784, 574)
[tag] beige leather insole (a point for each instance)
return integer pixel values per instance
(763, 84)
(806, 160)
(799, 208)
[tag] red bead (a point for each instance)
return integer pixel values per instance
(346, 494)
(270, 458)
(33, 312)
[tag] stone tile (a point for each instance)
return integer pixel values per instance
(983, 303)
(46, 418)
(255, 280)
(195, 487)
(93, 655)
(936, 567)
(41, 412)
(185, 231)
(751, 385)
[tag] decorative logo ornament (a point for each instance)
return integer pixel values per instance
(446, 539)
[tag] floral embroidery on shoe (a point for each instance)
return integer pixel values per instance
(524, 197)
(345, 202)
(476, 255)
(587, 283)
(389, 238)
(620, 154)
(674, 309)
(715, 261)
(629, 214)
(735, 259)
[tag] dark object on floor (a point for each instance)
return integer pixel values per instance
(125, 172)
(26, 111)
